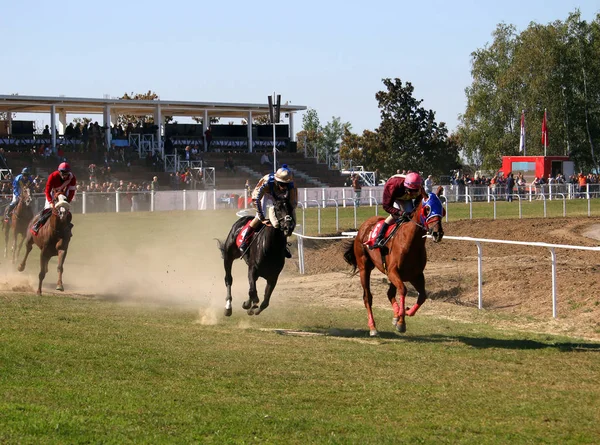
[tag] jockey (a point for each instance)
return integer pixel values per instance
(398, 194)
(274, 186)
(22, 180)
(60, 182)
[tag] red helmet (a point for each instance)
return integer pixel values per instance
(64, 167)
(413, 181)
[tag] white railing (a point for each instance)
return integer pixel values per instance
(478, 242)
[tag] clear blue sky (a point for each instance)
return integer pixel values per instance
(327, 55)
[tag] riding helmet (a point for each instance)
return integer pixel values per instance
(64, 167)
(25, 171)
(283, 174)
(413, 181)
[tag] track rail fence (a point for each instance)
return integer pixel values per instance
(478, 241)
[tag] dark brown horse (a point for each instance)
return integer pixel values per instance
(53, 240)
(18, 223)
(404, 257)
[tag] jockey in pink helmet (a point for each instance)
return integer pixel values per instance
(398, 194)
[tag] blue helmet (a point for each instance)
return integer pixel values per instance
(25, 171)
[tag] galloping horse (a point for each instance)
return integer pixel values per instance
(53, 239)
(402, 259)
(265, 256)
(18, 222)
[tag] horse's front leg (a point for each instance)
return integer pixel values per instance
(365, 281)
(62, 254)
(399, 308)
(269, 288)
(28, 247)
(251, 304)
(44, 259)
(14, 243)
(419, 284)
(228, 282)
(19, 248)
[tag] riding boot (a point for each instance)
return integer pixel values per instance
(288, 252)
(246, 239)
(40, 221)
(9, 210)
(380, 236)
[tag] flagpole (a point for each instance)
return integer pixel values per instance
(545, 132)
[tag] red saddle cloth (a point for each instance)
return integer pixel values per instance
(242, 233)
(375, 231)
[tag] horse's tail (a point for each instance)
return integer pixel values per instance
(350, 256)
(221, 246)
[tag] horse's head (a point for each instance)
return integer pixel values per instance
(431, 215)
(283, 216)
(63, 208)
(26, 195)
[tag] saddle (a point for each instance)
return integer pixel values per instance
(388, 233)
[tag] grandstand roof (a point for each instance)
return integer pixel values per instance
(79, 105)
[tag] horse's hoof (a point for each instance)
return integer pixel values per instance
(21, 268)
(250, 311)
(228, 312)
(246, 305)
(401, 327)
(60, 287)
(374, 333)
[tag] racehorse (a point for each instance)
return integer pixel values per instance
(53, 240)
(18, 222)
(402, 259)
(265, 256)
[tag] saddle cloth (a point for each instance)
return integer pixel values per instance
(241, 234)
(375, 231)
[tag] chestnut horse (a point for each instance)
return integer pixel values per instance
(53, 240)
(18, 222)
(265, 256)
(402, 259)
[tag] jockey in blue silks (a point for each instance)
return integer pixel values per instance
(22, 180)
(278, 185)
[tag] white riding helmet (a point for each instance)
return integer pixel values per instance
(283, 175)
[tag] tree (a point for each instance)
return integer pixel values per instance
(125, 119)
(551, 67)
(408, 136)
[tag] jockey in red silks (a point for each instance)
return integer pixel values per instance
(398, 194)
(60, 182)
(278, 185)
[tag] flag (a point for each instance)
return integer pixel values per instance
(522, 140)
(544, 131)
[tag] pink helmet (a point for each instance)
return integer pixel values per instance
(64, 167)
(413, 181)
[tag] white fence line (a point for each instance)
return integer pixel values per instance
(477, 241)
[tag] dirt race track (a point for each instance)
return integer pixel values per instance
(184, 267)
(517, 280)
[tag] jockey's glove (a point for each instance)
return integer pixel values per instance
(401, 217)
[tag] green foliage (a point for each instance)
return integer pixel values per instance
(408, 137)
(125, 119)
(554, 67)
(322, 141)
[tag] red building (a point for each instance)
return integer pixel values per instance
(540, 166)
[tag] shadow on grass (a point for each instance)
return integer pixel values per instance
(475, 342)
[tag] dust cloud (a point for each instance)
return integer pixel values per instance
(183, 268)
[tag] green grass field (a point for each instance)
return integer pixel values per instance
(129, 355)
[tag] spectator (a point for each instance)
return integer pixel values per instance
(510, 185)
(264, 160)
(428, 184)
(46, 131)
(377, 177)
(208, 138)
(357, 187)
(154, 185)
(229, 165)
